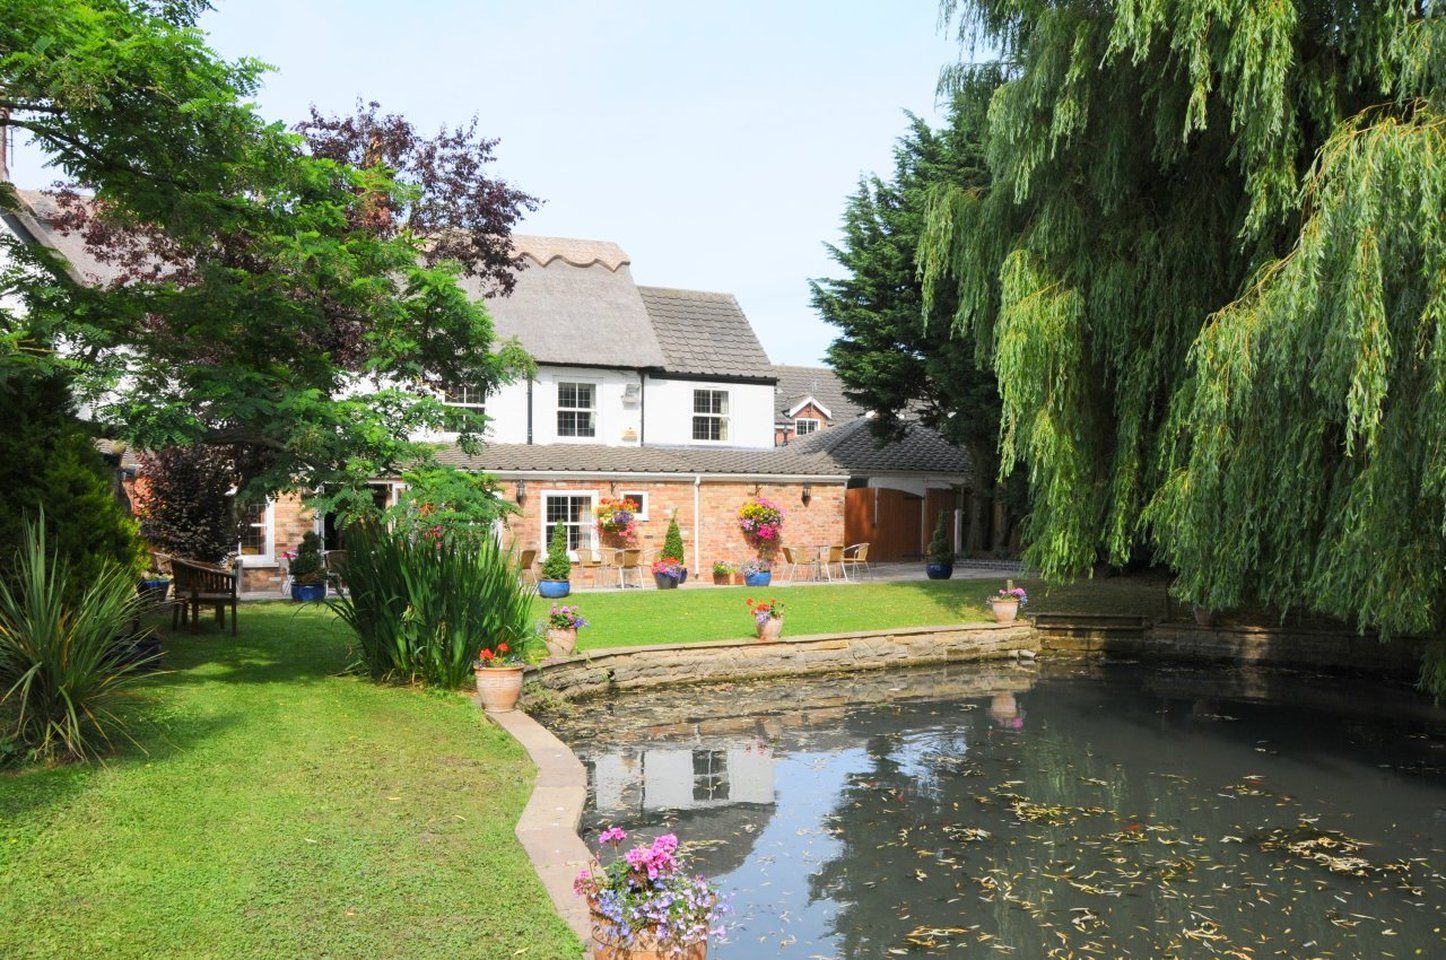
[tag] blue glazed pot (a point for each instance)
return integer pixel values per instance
(665, 582)
(154, 591)
(762, 579)
(684, 577)
(553, 589)
(939, 571)
(308, 592)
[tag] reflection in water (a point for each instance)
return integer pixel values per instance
(1076, 811)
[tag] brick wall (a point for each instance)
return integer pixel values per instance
(290, 522)
(808, 411)
(821, 522)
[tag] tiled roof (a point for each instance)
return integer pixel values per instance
(795, 384)
(856, 451)
(600, 458)
(705, 333)
(578, 253)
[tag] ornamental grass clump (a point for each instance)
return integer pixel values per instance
(423, 604)
(61, 675)
(647, 900)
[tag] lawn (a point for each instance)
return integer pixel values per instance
(633, 617)
(275, 807)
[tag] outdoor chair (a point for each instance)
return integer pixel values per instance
(630, 561)
(200, 585)
(334, 563)
(857, 557)
(834, 558)
(284, 564)
(592, 563)
(525, 560)
(790, 558)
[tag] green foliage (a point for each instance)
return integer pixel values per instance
(186, 504)
(894, 357)
(673, 543)
(60, 679)
(1208, 273)
(443, 496)
(257, 282)
(941, 546)
(48, 462)
(306, 566)
(557, 565)
(422, 607)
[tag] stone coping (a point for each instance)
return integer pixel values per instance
(547, 828)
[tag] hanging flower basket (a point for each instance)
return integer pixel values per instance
(617, 521)
(761, 522)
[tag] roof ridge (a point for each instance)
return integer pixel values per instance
(719, 294)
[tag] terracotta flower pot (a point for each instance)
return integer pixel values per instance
(1204, 616)
(646, 948)
(498, 688)
(722, 579)
(770, 629)
(1006, 609)
(561, 642)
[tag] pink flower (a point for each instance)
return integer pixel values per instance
(613, 836)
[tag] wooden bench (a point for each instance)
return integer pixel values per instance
(198, 585)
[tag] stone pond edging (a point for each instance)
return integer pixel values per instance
(631, 668)
(548, 826)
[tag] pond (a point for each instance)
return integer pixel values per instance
(1069, 810)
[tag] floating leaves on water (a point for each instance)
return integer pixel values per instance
(1331, 849)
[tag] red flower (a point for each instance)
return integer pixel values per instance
(502, 648)
(486, 654)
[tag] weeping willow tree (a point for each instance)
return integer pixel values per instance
(1210, 275)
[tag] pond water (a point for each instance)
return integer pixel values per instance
(1065, 811)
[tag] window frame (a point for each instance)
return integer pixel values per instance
(268, 525)
(723, 417)
(479, 404)
(641, 496)
(587, 525)
(592, 411)
(798, 421)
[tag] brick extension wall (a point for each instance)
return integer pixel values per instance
(819, 523)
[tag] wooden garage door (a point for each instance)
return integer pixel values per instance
(891, 520)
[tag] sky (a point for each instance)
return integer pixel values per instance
(715, 143)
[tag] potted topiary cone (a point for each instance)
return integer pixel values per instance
(557, 568)
(673, 548)
(940, 558)
(308, 573)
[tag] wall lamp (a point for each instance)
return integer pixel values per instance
(521, 492)
(807, 493)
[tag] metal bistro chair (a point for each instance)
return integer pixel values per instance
(630, 561)
(525, 560)
(857, 557)
(834, 557)
(591, 562)
(810, 565)
(334, 563)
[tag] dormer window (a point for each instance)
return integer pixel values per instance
(710, 415)
(576, 409)
(806, 425)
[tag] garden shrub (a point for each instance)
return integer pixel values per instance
(48, 462)
(185, 503)
(557, 566)
(422, 606)
(941, 549)
(307, 566)
(673, 543)
(60, 676)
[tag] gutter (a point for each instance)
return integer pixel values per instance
(651, 475)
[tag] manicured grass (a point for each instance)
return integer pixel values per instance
(647, 616)
(277, 808)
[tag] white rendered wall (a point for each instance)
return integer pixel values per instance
(670, 413)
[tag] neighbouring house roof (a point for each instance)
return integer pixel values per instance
(126, 456)
(855, 449)
(600, 458)
(797, 384)
(38, 213)
(575, 303)
(705, 334)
